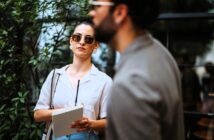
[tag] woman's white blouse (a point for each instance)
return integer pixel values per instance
(93, 92)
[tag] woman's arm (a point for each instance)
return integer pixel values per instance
(41, 111)
(43, 115)
(97, 125)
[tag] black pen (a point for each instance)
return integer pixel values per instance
(77, 92)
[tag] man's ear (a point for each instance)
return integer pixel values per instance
(120, 13)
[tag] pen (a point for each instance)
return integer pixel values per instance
(77, 92)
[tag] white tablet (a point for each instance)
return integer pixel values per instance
(62, 119)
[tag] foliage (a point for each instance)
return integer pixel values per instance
(18, 30)
(25, 58)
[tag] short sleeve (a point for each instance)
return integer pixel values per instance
(104, 99)
(44, 97)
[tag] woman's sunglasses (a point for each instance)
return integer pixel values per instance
(87, 39)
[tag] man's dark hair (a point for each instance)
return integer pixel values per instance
(142, 12)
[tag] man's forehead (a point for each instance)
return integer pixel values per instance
(101, 2)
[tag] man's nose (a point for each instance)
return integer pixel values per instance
(91, 13)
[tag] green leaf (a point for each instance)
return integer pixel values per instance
(15, 99)
(22, 100)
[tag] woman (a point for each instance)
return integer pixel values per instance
(92, 91)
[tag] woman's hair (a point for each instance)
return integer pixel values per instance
(87, 22)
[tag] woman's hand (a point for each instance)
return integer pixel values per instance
(82, 125)
(86, 124)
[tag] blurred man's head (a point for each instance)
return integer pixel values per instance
(109, 15)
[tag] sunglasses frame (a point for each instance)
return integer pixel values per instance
(85, 37)
(95, 4)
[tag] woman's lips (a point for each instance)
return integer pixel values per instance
(81, 48)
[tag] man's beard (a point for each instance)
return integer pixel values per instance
(106, 30)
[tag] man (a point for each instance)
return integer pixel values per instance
(145, 101)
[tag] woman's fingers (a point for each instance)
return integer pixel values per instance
(82, 125)
(81, 129)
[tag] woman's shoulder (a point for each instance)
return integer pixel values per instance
(61, 69)
(100, 74)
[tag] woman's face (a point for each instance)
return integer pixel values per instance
(82, 41)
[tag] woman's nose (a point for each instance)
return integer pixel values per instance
(82, 42)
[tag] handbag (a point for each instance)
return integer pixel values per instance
(47, 134)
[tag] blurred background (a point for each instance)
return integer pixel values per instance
(34, 38)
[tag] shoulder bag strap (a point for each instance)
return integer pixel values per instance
(54, 82)
(51, 94)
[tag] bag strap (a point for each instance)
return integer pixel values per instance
(101, 134)
(49, 133)
(54, 82)
(99, 111)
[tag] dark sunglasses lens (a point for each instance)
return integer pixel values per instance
(91, 7)
(94, 7)
(76, 38)
(89, 40)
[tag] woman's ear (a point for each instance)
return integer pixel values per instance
(96, 45)
(70, 41)
(71, 47)
(71, 44)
